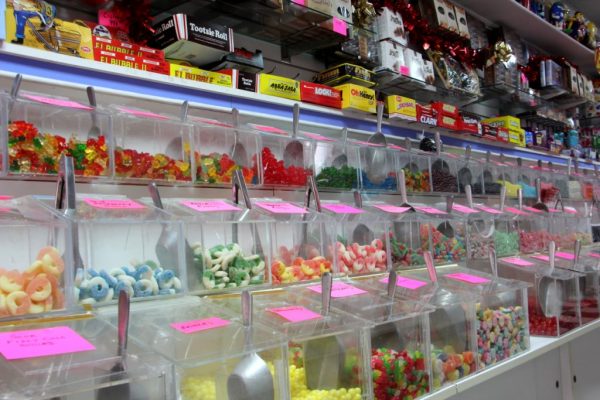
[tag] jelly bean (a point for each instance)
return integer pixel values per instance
(398, 375)
(417, 181)
(215, 168)
(506, 243)
(276, 173)
(286, 270)
(389, 183)
(445, 249)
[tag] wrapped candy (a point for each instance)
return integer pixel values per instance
(557, 15)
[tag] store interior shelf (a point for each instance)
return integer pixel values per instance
(535, 30)
(542, 120)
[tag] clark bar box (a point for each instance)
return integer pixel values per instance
(186, 38)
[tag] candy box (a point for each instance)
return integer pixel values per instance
(77, 357)
(346, 73)
(320, 94)
(517, 136)
(435, 12)
(461, 19)
(341, 9)
(124, 60)
(414, 61)
(392, 57)
(358, 97)
(445, 109)
(451, 16)
(428, 72)
(130, 49)
(199, 75)
(391, 27)
(470, 124)
(448, 122)
(426, 115)
(401, 107)
(329, 174)
(184, 37)
(553, 74)
(506, 121)
(495, 133)
(279, 86)
(242, 80)
(42, 128)
(151, 146)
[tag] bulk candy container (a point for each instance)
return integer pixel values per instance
(336, 163)
(378, 166)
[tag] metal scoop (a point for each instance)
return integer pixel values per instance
(387, 335)
(324, 357)
(375, 156)
(239, 185)
(550, 291)
(485, 229)
(175, 147)
(311, 189)
(342, 160)
(251, 378)
(445, 227)
(293, 154)
(539, 205)
(238, 151)
(94, 131)
(361, 233)
(403, 195)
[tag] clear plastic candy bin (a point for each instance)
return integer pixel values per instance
(378, 167)
(150, 146)
(568, 225)
(509, 225)
(330, 170)
(448, 235)
(444, 174)
(303, 241)
(417, 170)
(124, 244)
(40, 129)
(85, 371)
(480, 228)
(33, 258)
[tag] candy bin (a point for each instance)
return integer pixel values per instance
(533, 227)
(123, 244)
(378, 166)
(549, 191)
(78, 359)
(41, 129)
(444, 171)
(396, 330)
(220, 149)
(507, 177)
(509, 222)
(212, 348)
(526, 179)
(336, 163)
(480, 226)
(416, 170)
(228, 244)
(568, 224)
(34, 243)
(552, 296)
(562, 181)
(492, 176)
(362, 241)
(302, 241)
(588, 180)
(448, 232)
(468, 173)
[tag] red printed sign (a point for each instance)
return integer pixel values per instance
(198, 325)
(112, 19)
(33, 343)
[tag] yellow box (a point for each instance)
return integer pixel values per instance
(358, 97)
(507, 121)
(517, 136)
(402, 107)
(200, 75)
(71, 38)
(279, 86)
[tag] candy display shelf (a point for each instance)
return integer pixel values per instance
(534, 29)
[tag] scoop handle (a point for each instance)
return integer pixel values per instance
(469, 194)
(185, 106)
(391, 286)
(358, 199)
(155, 194)
(402, 185)
(502, 197)
(295, 120)
(538, 189)
(326, 285)
(123, 323)
(493, 262)
(551, 255)
(430, 267)
(379, 116)
(238, 184)
(577, 252)
(311, 189)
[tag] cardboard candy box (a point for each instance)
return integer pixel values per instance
(315, 93)
(401, 107)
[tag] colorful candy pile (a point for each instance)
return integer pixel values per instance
(131, 163)
(100, 286)
(443, 181)
(449, 366)
(218, 168)
(541, 325)
(399, 375)
(299, 270)
(417, 181)
(403, 255)
(527, 190)
(506, 243)
(226, 266)
(389, 183)
(533, 241)
(33, 152)
(589, 309)
(299, 390)
(549, 192)
(479, 245)
(357, 259)
(339, 178)
(511, 188)
(567, 241)
(447, 249)
(275, 172)
(35, 290)
(501, 333)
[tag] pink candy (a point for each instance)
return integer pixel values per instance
(362, 259)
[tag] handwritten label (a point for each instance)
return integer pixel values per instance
(269, 129)
(57, 102)
(295, 313)
(463, 209)
(404, 70)
(472, 279)
(517, 261)
(489, 210)
(318, 137)
(143, 114)
(198, 325)
(340, 26)
(407, 283)
(392, 209)
(515, 211)
(281, 208)
(430, 210)
(33, 343)
(533, 210)
(339, 290)
(541, 257)
(114, 204)
(209, 205)
(565, 255)
(342, 209)
(594, 255)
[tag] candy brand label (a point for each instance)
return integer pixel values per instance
(295, 313)
(143, 114)
(209, 206)
(342, 209)
(463, 209)
(517, 261)
(541, 257)
(318, 137)
(489, 210)
(57, 102)
(407, 283)
(534, 210)
(430, 210)
(393, 209)
(340, 26)
(473, 279)
(198, 325)
(594, 255)
(269, 129)
(281, 208)
(114, 204)
(515, 211)
(565, 255)
(33, 343)
(339, 290)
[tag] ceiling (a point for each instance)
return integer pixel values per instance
(590, 8)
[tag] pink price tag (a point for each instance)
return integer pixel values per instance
(541, 257)
(339, 290)
(33, 343)
(565, 255)
(393, 209)
(57, 102)
(209, 205)
(198, 325)
(517, 261)
(281, 208)
(489, 210)
(396, 147)
(114, 204)
(594, 255)
(368, 144)
(533, 210)
(269, 129)
(299, 2)
(404, 70)
(407, 283)
(211, 122)
(318, 137)
(431, 210)
(472, 279)
(515, 211)
(112, 19)
(143, 114)
(295, 313)
(340, 26)
(463, 209)
(570, 210)
(342, 209)
(5, 197)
